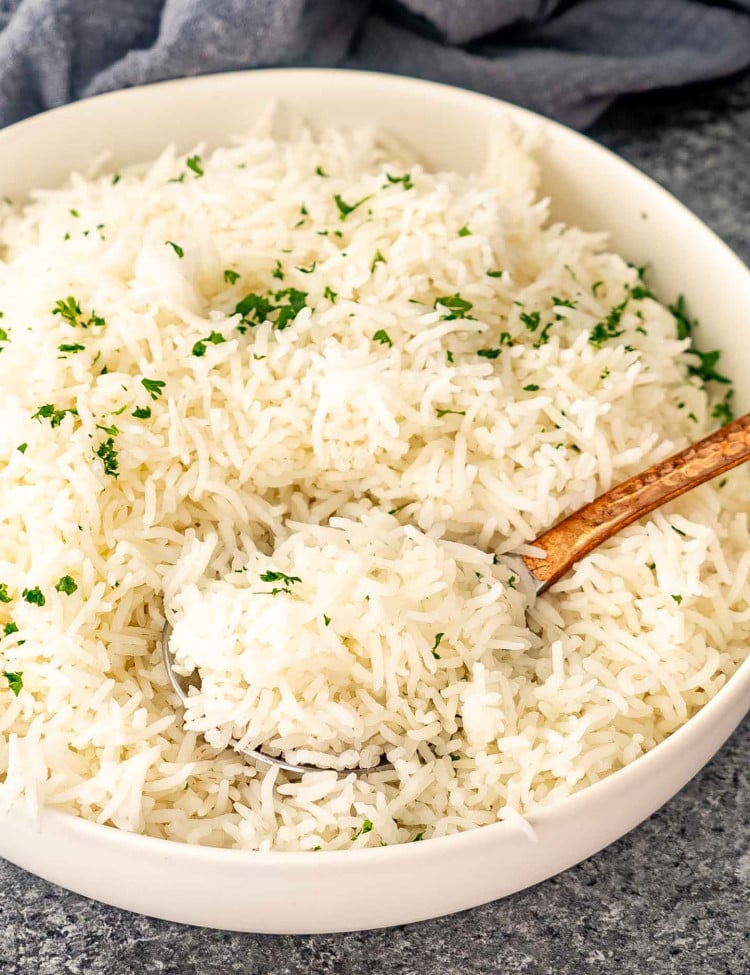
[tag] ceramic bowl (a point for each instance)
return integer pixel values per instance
(302, 892)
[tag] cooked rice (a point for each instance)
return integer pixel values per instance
(372, 399)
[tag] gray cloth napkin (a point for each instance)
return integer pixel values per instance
(565, 58)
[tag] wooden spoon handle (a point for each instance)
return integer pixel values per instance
(586, 529)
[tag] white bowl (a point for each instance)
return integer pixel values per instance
(302, 892)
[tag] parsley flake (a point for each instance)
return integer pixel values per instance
(15, 680)
(231, 277)
(489, 353)
(378, 259)
(55, 416)
(319, 171)
(531, 319)
(455, 304)
(723, 411)
(405, 180)
(67, 585)
(330, 294)
(154, 387)
(494, 274)
(22, 448)
(531, 388)
(464, 232)
(10, 628)
(175, 247)
(326, 620)
(677, 599)
(193, 163)
(346, 208)
(34, 596)
(442, 413)
(383, 337)
(107, 454)
(75, 347)
(4, 597)
(142, 412)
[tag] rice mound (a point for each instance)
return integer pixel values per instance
(268, 358)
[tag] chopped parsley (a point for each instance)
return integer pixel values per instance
(75, 347)
(55, 416)
(330, 294)
(278, 271)
(677, 599)
(489, 353)
(455, 304)
(10, 628)
(107, 454)
(116, 179)
(531, 320)
(366, 827)
(449, 356)
(512, 582)
(685, 324)
(215, 338)
(639, 292)
(675, 529)
(418, 837)
(383, 337)
(112, 430)
(494, 274)
(231, 277)
(271, 575)
(346, 208)
(609, 328)
(15, 681)
(405, 180)
(154, 387)
(326, 620)
(175, 247)
(67, 585)
(563, 302)
(34, 596)
(378, 259)
(436, 644)
(3, 335)
(256, 309)
(70, 311)
(193, 163)
(454, 756)
(723, 411)
(464, 232)
(4, 597)
(74, 213)
(441, 413)
(319, 171)
(307, 270)
(142, 412)
(595, 287)
(706, 369)
(22, 448)
(531, 388)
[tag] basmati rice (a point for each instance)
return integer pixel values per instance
(422, 369)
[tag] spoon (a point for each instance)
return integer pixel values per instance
(569, 540)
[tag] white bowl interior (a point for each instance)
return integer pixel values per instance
(286, 893)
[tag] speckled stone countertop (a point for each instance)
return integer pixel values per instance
(671, 898)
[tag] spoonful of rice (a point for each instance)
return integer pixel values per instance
(363, 643)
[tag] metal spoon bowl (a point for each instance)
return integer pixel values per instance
(570, 540)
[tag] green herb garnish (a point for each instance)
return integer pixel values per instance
(382, 336)
(609, 328)
(10, 628)
(441, 413)
(141, 412)
(330, 294)
(346, 208)
(22, 448)
(464, 232)
(326, 620)
(107, 454)
(378, 259)
(34, 596)
(55, 416)
(455, 304)
(66, 584)
(194, 164)
(405, 180)
(319, 171)
(494, 274)
(4, 597)
(15, 680)
(531, 320)
(278, 271)
(706, 369)
(75, 347)
(175, 247)
(531, 388)
(723, 411)
(215, 338)
(489, 353)
(677, 599)
(154, 387)
(231, 277)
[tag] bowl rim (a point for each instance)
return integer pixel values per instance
(732, 690)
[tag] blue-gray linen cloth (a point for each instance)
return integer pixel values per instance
(565, 58)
